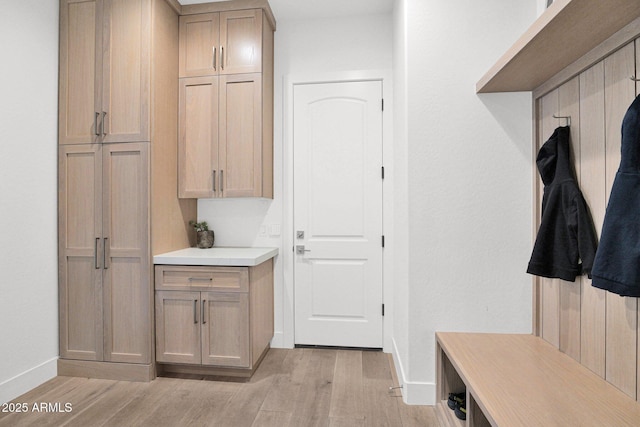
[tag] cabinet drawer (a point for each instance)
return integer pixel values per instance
(180, 278)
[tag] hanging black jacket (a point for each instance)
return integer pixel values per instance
(617, 263)
(566, 241)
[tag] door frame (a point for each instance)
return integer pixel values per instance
(286, 338)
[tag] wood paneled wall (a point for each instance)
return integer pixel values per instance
(597, 328)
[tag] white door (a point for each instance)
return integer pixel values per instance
(337, 144)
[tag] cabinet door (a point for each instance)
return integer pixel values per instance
(79, 251)
(241, 41)
(178, 320)
(198, 138)
(126, 72)
(240, 134)
(199, 44)
(225, 329)
(127, 284)
(80, 68)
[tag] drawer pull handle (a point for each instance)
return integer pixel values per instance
(193, 279)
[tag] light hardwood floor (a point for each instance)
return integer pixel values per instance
(296, 388)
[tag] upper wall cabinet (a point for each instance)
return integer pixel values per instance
(225, 137)
(221, 43)
(104, 71)
(221, 146)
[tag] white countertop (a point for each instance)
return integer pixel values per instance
(237, 257)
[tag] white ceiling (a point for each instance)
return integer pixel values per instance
(286, 10)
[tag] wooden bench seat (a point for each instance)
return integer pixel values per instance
(521, 380)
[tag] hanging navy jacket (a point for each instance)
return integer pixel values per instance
(566, 241)
(617, 263)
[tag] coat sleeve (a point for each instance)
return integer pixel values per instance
(586, 235)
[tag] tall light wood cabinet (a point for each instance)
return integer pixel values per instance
(80, 91)
(118, 200)
(104, 71)
(226, 105)
(104, 242)
(126, 268)
(80, 234)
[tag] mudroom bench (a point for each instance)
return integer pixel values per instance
(521, 380)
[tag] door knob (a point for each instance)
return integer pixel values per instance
(300, 250)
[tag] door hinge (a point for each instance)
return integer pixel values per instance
(383, 241)
(383, 309)
(382, 172)
(382, 104)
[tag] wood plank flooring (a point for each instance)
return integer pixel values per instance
(302, 387)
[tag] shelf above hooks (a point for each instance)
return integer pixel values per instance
(565, 31)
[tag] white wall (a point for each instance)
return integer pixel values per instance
(28, 177)
(302, 47)
(400, 238)
(462, 176)
(541, 6)
(469, 179)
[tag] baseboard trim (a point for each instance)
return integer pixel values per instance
(413, 392)
(211, 371)
(278, 340)
(27, 380)
(106, 370)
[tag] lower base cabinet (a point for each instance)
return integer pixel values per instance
(213, 317)
(207, 328)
